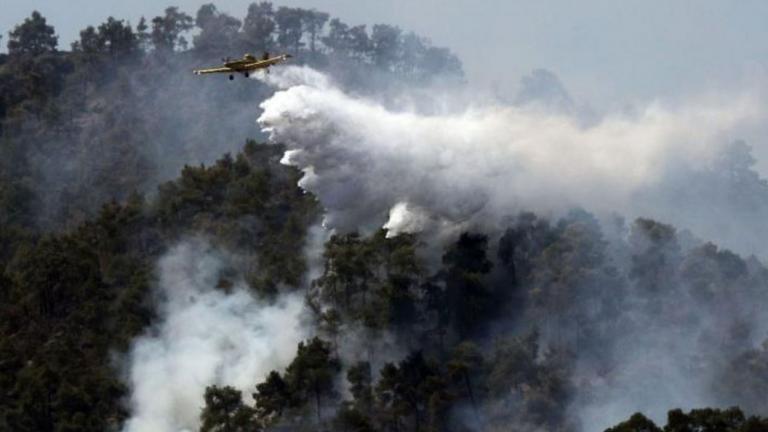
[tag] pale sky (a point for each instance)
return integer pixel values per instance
(607, 52)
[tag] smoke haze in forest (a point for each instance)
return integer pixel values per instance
(410, 172)
(204, 337)
(655, 48)
(488, 259)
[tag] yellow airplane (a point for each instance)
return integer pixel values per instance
(245, 65)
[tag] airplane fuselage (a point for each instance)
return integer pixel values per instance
(245, 65)
(240, 64)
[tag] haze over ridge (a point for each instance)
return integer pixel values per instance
(608, 53)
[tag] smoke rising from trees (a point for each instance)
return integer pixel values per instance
(205, 336)
(486, 265)
(410, 172)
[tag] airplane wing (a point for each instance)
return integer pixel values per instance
(261, 64)
(212, 70)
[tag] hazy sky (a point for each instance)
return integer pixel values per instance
(608, 52)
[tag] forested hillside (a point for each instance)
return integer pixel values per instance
(122, 111)
(112, 153)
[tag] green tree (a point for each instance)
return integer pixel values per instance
(355, 416)
(272, 398)
(745, 378)
(414, 389)
(400, 273)
(359, 42)
(697, 420)
(360, 385)
(391, 407)
(466, 362)
(537, 382)
(350, 419)
(167, 30)
(118, 38)
(89, 42)
(225, 412)
(636, 423)
(55, 276)
(656, 255)
(311, 374)
(259, 27)
(142, 36)
(337, 39)
(348, 270)
(33, 37)
(352, 42)
(289, 28)
(113, 38)
(313, 23)
(219, 32)
(573, 289)
(386, 46)
(373, 280)
(466, 295)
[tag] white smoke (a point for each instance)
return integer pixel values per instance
(407, 171)
(205, 336)
(372, 166)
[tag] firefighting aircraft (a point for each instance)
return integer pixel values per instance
(245, 65)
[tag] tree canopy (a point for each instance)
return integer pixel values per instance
(109, 157)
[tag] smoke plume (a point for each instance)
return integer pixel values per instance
(373, 166)
(205, 336)
(439, 171)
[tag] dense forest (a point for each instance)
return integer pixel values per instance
(112, 153)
